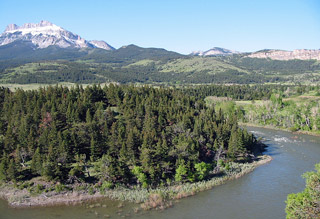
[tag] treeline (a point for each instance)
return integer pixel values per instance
(280, 106)
(116, 135)
(245, 92)
(269, 66)
(50, 74)
(301, 116)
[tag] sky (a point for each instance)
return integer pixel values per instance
(179, 25)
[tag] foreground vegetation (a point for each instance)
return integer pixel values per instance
(91, 138)
(139, 144)
(306, 204)
(44, 194)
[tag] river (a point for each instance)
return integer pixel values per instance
(260, 194)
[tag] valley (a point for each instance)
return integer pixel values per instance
(82, 121)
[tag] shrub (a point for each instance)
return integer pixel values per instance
(306, 203)
(141, 176)
(39, 189)
(59, 188)
(91, 191)
(203, 170)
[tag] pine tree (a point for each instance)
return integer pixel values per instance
(12, 171)
(88, 117)
(4, 168)
(9, 140)
(31, 142)
(36, 162)
(93, 149)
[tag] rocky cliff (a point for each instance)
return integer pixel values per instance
(303, 54)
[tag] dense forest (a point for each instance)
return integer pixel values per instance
(124, 135)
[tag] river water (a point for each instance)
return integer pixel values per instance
(260, 194)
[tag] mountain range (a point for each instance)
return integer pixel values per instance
(46, 53)
(45, 34)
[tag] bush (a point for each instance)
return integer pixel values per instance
(39, 189)
(306, 203)
(91, 191)
(105, 186)
(59, 188)
(78, 172)
(293, 129)
(203, 170)
(140, 175)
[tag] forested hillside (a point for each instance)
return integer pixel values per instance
(117, 135)
(21, 63)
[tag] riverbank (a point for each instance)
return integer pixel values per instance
(150, 198)
(279, 129)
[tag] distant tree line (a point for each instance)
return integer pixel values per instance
(245, 92)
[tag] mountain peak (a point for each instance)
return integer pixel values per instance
(42, 23)
(11, 27)
(215, 51)
(101, 44)
(44, 34)
(45, 23)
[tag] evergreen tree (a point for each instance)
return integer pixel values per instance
(4, 168)
(12, 171)
(36, 162)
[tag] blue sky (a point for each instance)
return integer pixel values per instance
(182, 26)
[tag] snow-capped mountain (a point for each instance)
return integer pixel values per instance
(215, 51)
(101, 44)
(46, 34)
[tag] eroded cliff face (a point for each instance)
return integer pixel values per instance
(303, 54)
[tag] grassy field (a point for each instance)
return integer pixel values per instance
(144, 62)
(13, 87)
(198, 64)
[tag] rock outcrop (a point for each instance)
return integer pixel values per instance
(303, 54)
